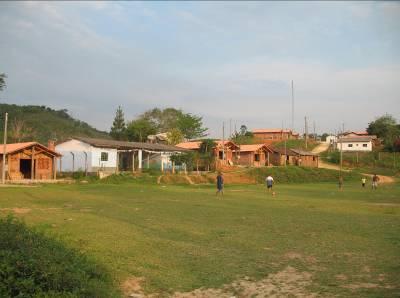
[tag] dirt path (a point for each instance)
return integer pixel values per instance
(320, 148)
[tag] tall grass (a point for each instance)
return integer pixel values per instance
(34, 265)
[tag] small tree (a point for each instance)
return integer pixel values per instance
(191, 126)
(174, 136)
(19, 131)
(118, 129)
(207, 152)
(138, 130)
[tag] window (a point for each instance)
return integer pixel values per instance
(313, 158)
(104, 156)
(365, 145)
(350, 145)
(256, 157)
(221, 154)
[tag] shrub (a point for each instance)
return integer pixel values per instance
(34, 265)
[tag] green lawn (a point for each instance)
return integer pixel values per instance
(180, 238)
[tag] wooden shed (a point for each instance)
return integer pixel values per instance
(29, 160)
(255, 155)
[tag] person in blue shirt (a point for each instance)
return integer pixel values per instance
(220, 184)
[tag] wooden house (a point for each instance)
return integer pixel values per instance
(255, 155)
(224, 151)
(29, 160)
(268, 135)
(296, 157)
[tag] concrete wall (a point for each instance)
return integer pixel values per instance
(356, 146)
(93, 161)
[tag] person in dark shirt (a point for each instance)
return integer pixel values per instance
(220, 184)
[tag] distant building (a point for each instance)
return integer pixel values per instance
(94, 155)
(160, 138)
(355, 143)
(223, 151)
(331, 139)
(265, 135)
(296, 157)
(29, 160)
(255, 155)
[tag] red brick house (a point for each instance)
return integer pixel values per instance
(29, 160)
(228, 148)
(267, 135)
(296, 157)
(255, 155)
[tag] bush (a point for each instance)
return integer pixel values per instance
(34, 265)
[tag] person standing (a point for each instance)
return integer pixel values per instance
(375, 180)
(340, 182)
(363, 181)
(269, 181)
(220, 184)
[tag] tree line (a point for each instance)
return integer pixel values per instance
(177, 125)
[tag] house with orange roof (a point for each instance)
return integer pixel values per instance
(29, 160)
(268, 135)
(254, 155)
(224, 151)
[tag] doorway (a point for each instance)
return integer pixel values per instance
(25, 168)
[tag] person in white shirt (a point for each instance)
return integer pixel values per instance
(269, 181)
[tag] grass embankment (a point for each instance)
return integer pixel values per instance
(34, 265)
(295, 174)
(297, 144)
(381, 163)
(289, 174)
(178, 238)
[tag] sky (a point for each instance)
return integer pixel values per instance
(229, 62)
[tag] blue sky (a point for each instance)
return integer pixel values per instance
(220, 60)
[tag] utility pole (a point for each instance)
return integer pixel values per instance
(306, 130)
(292, 107)
(3, 169)
(230, 128)
(223, 142)
(315, 135)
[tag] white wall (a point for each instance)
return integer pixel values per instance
(355, 146)
(96, 158)
(331, 139)
(93, 156)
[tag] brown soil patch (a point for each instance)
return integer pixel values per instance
(132, 286)
(300, 257)
(286, 283)
(17, 210)
(361, 286)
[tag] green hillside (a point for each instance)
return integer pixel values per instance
(40, 123)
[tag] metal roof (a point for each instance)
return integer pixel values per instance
(104, 143)
(355, 139)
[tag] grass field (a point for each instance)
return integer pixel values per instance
(180, 238)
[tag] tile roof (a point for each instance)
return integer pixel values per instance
(11, 148)
(293, 152)
(273, 130)
(253, 147)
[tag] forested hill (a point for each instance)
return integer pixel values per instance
(40, 123)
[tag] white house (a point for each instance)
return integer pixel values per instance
(355, 143)
(331, 139)
(94, 155)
